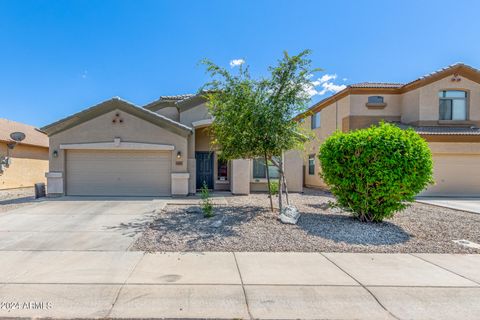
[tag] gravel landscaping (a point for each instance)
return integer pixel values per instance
(246, 224)
(15, 198)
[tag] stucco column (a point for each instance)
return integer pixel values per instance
(241, 176)
(293, 161)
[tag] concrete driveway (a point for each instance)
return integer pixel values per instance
(463, 204)
(77, 224)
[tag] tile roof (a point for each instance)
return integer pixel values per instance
(178, 97)
(443, 130)
(32, 135)
(376, 85)
(452, 66)
(109, 105)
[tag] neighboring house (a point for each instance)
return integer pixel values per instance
(443, 107)
(28, 159)
(118, 149)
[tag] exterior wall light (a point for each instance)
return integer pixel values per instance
(179, 155)
(55, 153)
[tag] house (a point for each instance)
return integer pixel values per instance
(443, 107)
(164, 148)
(24, 163)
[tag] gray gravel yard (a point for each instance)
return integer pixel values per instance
(248, 225)
(15, 198)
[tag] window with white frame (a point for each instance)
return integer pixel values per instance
(453, 105)
(260, 172)
(315, 120)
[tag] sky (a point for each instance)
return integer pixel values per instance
(60, 57)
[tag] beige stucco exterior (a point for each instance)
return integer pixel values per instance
(415, 104)
(136, 132)
(28, 166)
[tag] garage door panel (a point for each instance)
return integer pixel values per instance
(118, 173)
(455, 175)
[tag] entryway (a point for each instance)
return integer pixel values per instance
(204, 161)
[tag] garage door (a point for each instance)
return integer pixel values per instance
(455, 175)
(118, 173)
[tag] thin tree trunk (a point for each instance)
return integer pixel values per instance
(268, 182)
(286, 189)
(280, 186)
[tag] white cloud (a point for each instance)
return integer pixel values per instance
(325, 84)
(236, 62)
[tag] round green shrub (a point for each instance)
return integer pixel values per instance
(376, 172)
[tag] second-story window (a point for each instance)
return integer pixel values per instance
(316, 120)
(453, 105)
(375, 99)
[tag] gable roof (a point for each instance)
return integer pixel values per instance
(397, 88)
(167, 101)
(110, 105)
(33, 136)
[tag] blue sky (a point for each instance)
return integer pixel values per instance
(59, 57)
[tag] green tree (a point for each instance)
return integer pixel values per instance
(376, 172)
(254, 118)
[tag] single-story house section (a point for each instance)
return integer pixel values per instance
(22, 164)
(116, 148)
(443, 107)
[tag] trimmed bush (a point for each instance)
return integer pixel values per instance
(376, 172)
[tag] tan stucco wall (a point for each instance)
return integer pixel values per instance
(169, 112)
(429, 105)
(358, 105)
(196, 113)
(410, 111)
(331, 119)
(101, 129)
(29, 164)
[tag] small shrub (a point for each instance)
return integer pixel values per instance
(207, 205)
(274, 187)
(376, 172)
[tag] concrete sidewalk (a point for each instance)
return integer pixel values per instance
(79, 284)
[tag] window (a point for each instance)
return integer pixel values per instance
(453, 105)
(311, 164)
(259, 171)
(315, 120)
(222, 170)
(375, 99)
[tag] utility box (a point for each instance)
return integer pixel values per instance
(40, 190)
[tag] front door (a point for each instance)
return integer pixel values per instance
(204, 169)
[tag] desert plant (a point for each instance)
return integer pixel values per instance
(254, 117)
(274, 187)
(376, 172)
(207, 205)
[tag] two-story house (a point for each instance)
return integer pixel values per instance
(443, 107)
(116, 148)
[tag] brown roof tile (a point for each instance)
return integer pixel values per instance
(443, 130)
(376, 85)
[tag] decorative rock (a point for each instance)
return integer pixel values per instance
(193, 210)
(289, 215)
(217, 224)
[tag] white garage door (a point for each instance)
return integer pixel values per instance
(455, 175)
(118, 173)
